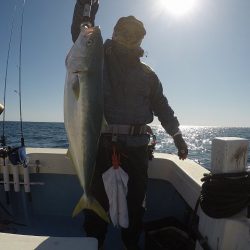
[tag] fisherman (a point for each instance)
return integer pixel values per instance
(133, 94)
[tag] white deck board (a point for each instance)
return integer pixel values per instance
(28, 242)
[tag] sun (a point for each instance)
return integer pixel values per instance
(178, 7)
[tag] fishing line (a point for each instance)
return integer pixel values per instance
(6, 75)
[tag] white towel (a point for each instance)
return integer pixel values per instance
(115, 182)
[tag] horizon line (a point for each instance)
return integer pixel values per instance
(150, 124)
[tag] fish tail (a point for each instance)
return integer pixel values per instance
(91, 204)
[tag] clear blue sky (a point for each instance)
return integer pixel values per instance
(202, 57)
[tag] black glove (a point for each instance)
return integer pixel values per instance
(78, 18)
(94, 8)
(181, 146)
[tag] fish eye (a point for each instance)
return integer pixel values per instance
(90, 42)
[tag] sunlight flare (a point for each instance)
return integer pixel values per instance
(178, 7)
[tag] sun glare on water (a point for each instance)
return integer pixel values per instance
(178, 7)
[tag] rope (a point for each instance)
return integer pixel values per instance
(224, 195)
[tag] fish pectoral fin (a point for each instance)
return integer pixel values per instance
(91, 204)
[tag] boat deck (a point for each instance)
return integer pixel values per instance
(55, 190)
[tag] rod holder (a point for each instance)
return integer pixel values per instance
(15, 171)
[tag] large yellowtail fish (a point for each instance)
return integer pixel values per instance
(83, 110)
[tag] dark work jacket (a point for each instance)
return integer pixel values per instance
(133, 93)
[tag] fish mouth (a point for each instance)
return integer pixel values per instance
(94, 29)
(91, 32)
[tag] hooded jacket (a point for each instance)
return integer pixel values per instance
(133, 94)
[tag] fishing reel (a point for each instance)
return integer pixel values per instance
(4, 152)
(16, 155)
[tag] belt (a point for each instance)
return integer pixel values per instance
(126, 129)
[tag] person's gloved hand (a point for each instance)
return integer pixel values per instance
(79, 18)
(181, 146)
(94, 6)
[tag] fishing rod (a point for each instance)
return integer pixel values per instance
(3, 140)
(3, 150)
(21, 150)
(16, 155)
(20, 75)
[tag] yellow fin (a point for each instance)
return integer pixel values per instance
(92, 204)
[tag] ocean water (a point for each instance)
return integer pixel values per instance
(198, 138)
